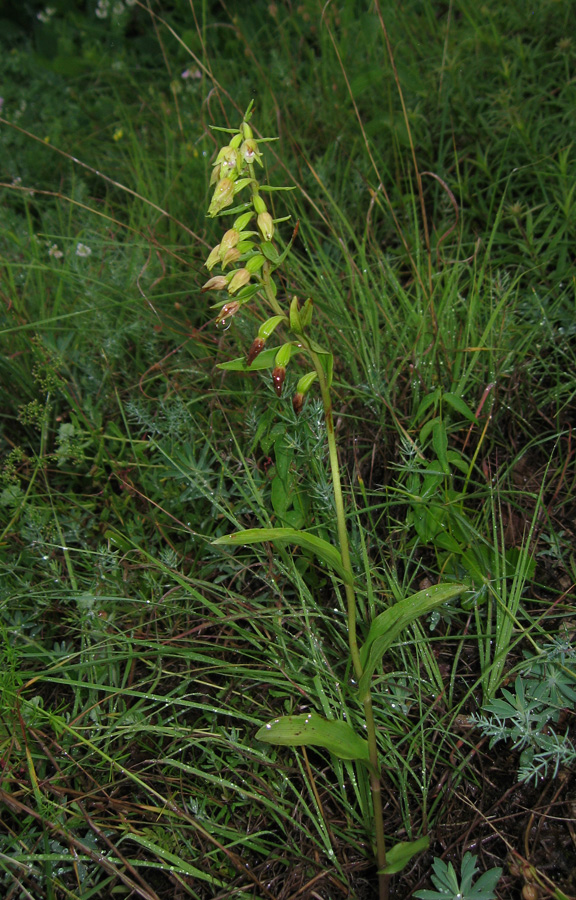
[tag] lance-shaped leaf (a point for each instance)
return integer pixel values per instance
(388, 625)
(312, 730)
(321, 548)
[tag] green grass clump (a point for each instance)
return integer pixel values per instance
(430, 150)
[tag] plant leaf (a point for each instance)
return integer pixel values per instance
(398, 856)
(321, 548)
(388, 625)
(312, 730)
(264, 360)
(460, 406)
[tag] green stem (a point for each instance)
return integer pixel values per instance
(383, 880)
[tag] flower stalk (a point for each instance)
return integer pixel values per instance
(250, 246)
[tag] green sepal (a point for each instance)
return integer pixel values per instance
(295, 321)
(312, 730)
(269, 326)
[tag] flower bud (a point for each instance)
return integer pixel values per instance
(227, 311)
(266, 226)
(230, 257)
(238, 280)
(216, 283)
(230, 239)
(278, 376)
(298, 403)
(213, 258)
(256, 348)
(223, 196)
(259, 204)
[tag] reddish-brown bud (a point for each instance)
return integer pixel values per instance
(227, 311)
(297, 403)
(278, 376)
(256, 348)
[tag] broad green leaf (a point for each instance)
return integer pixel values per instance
(398, 856)
(440, 444)
(427, 428)
(388, 625)
(312, 730)
(279, 497)
(321, 548)
(460, 406)
(426, 402)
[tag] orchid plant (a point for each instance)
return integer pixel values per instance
(242, 268)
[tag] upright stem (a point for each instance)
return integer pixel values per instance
(383, 880)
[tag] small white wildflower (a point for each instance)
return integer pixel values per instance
(46, 14)
(102, 9)
(55, 252)
(82, 250)
(118, 8)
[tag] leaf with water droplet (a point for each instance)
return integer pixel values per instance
(388, 625)
(321, 548)
(312, 730)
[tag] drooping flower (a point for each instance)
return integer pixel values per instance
(240, 278)
(223, 196)
(216, 283)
